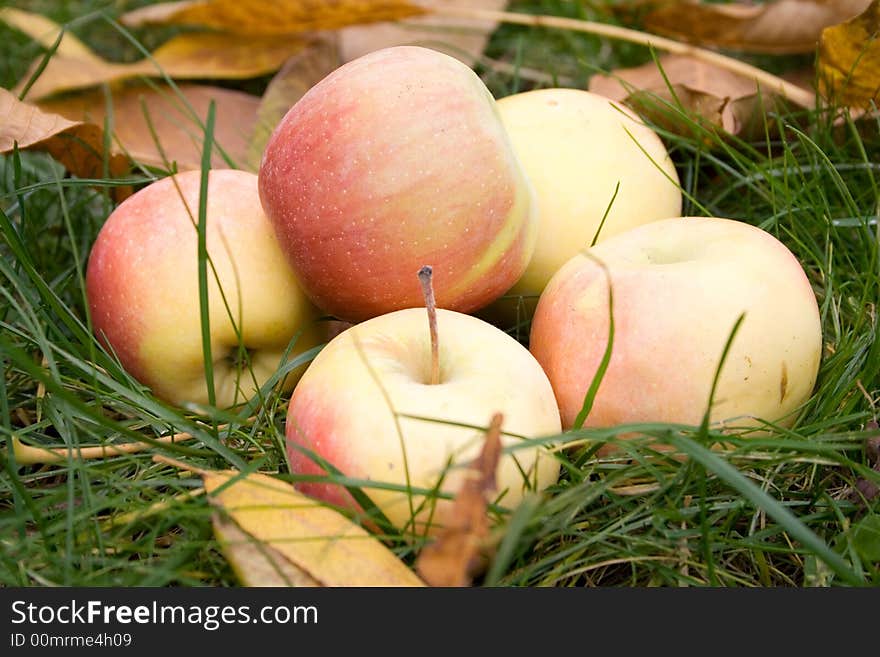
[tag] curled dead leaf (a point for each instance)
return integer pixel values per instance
(780, 26)
(157, 125)
(78, 145)
(715, 97)
(272, 533)
(849, 60)
(256, 17)
(456, 554)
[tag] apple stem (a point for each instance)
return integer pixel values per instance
(426, 275)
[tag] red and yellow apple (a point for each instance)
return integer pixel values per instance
(576, 148)
(679, 286)
(366, 405)
(396, 159)
(143, 290)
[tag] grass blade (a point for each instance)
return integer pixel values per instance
(797, 529)
(590, 397)
(203, 256)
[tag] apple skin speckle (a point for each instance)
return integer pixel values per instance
(409, 138)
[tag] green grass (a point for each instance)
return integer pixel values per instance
(778, 509)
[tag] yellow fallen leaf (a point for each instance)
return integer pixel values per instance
(299, 74)
(192, 55)
(455, 556)
(256, 563)
(204, 55)
(72, 65)
(45, 32)
(849, 60)
(298, 534)
(460, 37)
(281, 17)
(780, 26)
(156, 125)
(78, 145)
(709, 94)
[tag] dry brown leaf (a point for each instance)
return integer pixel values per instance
(719, 98)
(849, 60)
(464, 39)
(190, 55)
(77, 145)
(179, 134)
(783, 26)
(254, 17)
(455, 556)
(299, 74)
(313, 542)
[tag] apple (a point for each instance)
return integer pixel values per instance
(679, 285)
(576, 148)
(143, 291)
(368, 406)
(395, 159)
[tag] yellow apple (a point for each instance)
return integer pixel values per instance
(358, 407)
(576, 148)
(679, 286)
(143, 290)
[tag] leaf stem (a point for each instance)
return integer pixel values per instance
(791, 92)
(30, 455)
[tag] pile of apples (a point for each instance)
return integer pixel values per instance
(402, 159)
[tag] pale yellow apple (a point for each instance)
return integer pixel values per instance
(576, 148)
(357, 407)
(143, 290)
(679, 286)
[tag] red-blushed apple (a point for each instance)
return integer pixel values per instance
(143, 290)
(576, 148)
(395, 159)
(679, 286)
(357, 407)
